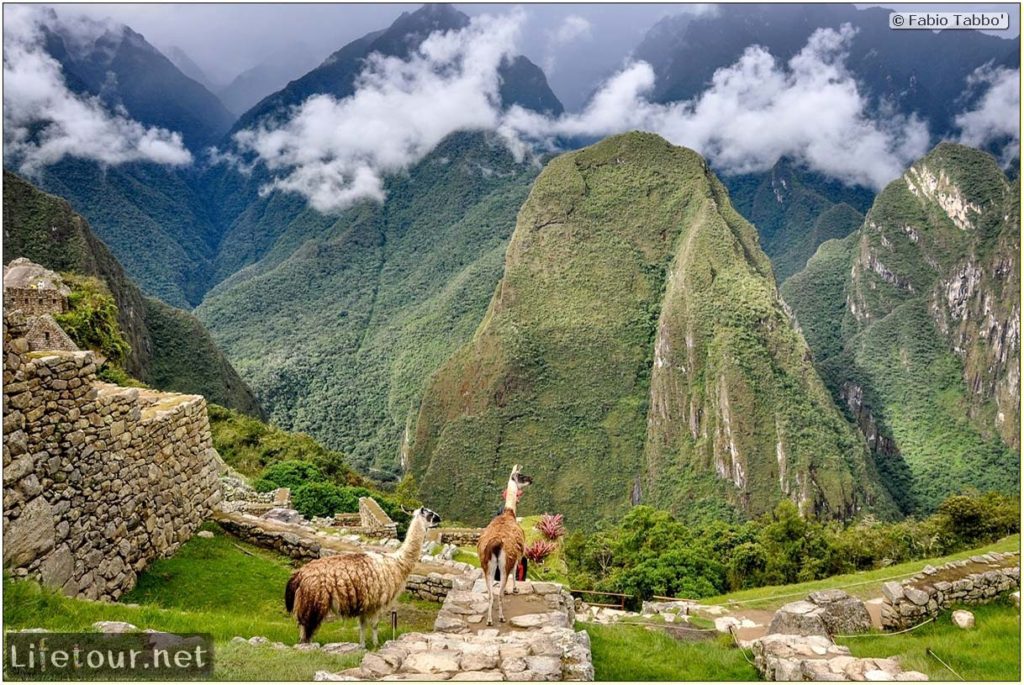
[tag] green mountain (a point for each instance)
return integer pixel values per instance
(636, 349)
(252, 223)
(341, 322)
(170, 349)
(795, 210)
(154, 218)
(914, 323)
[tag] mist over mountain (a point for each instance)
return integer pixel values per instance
(181, 59)
(255, 83)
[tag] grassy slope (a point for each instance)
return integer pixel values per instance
(865, 584)
(914, 384)
(989, 651)
(630, 653)
(338, 329)
(218, 586)
(170, 348)
(618, 244)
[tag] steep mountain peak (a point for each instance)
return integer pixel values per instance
(628, 257)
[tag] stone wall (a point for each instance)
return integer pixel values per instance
(287, 543)
(99, 480)
(462, 537)
(970, 581)
(375, 520)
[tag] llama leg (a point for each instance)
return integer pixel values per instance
(362, 631)
(502, 569)
(511, 590)
(375, 622)
(492, 566)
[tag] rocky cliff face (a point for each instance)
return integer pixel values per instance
(636, 349)
(928, 359)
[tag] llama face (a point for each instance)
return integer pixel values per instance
(429, 517)
(522, 480)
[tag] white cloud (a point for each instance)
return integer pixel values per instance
(573, 28)
(754, 112)
(335, 152)
(45, 122)
(996, 115)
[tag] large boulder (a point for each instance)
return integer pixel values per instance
(841, 613)
(284, 515)
(798, 618)
(963, 619)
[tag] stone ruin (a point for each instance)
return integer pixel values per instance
(99, 480)
(969, 581)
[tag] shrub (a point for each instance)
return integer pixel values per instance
(91, 319)
(292, 474)
(264, 485)
(324, 499)
(551, 526)
(539, 550)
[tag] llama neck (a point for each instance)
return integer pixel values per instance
(409, 552)
(511, 495)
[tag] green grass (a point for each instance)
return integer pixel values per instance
(218, 586)
(990, 651)
(865, 584)
(629, 653)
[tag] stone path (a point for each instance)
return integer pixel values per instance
(536, 643)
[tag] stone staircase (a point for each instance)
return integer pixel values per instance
(536, 643)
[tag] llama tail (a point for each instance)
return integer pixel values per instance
(290, 590)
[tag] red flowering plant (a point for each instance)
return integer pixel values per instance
(539, 550)
(551, 526)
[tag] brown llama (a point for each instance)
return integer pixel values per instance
(362, 584)
(502, 544)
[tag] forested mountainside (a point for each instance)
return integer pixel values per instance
(170, 349)
(794, 210)
(252, 224)
(914, 324)
(914, 72)
(341, 323)
(636, 349)
(154, 218)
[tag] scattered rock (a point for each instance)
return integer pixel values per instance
(114, 627)
(340, 648)
(206, 534)
(963, 619)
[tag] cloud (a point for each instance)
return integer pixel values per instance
(571, 29)
(336, 152)
(754, 112)
(996, 115)
(45, 122)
